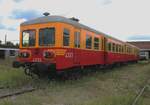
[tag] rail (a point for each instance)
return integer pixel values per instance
(16, 93)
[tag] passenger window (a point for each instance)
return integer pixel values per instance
(66, 37)
(102, 44)
(47, 36)
(109, 46)
(119, 48)
(122, 49)
(88, 42)
(116, 48)
(96, 43)
(127, 50)
(113, 47)
(77, 39)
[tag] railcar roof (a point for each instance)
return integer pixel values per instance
(46, 19)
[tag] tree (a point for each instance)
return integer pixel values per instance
(9, 44)
(17, 45)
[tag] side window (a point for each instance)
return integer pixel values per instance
(113, 47)
(88, 42)
(66, 37)
(119, 48)
(102, 44)
(130, 50)
(109, 46)
(77, 39)
(47, 36)
(122, 49)
(125, 50)
(116, 47)
(96, 43)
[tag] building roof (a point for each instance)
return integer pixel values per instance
(145, 45)
(9, 49)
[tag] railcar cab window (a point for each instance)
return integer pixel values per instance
(66, 37)
(28, 38)
(88, 42)
(96, 43)
(47, 37)
(77, 39)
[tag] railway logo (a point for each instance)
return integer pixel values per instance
(69, 55)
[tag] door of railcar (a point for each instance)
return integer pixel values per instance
(105, 50)
(77, 45)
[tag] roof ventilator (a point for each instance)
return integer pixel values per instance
(74, 19)
(46, 14)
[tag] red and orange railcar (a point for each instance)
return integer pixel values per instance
(55, 43)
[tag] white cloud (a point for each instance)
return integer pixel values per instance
(119, 18)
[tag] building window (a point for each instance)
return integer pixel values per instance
(66, 36)
(47, 37)
(96, 43)
(12, 52)
(88, 42)
(77, 39)
(28, 38)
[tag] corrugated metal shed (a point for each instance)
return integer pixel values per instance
(6, 53)
(144, 48)
(145, 45)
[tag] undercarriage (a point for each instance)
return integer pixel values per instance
(38, 68)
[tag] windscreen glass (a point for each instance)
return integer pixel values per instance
(28, 38)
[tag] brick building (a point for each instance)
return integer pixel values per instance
(144, 48)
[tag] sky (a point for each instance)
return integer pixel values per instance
(127, 20)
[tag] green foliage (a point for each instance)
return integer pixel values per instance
(10, 77)
(9, 45)
(118, 86)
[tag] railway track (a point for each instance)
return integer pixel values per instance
(2, 87)
(16, 93)
(141, 93)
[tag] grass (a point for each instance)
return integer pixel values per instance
(10, 77)
(114, 87)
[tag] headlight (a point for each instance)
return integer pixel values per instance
(24, 54)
